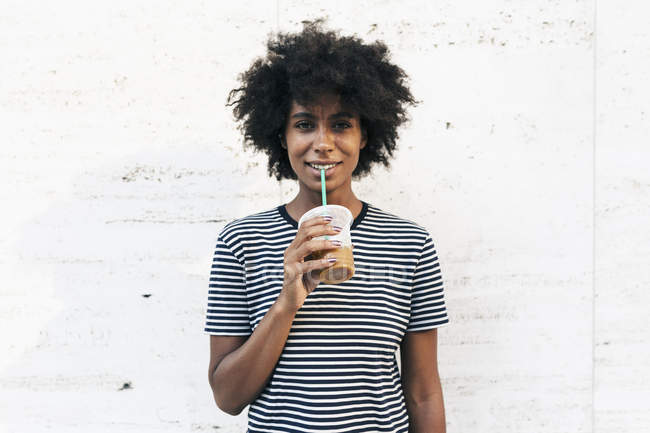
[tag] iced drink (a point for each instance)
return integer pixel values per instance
(343, 268)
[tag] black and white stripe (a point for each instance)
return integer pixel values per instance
(338, 371)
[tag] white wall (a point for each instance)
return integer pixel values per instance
(527, 161)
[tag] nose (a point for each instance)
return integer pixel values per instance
(324, 141)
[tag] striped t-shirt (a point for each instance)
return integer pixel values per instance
(338, 369)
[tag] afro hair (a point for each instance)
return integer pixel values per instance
(300, 67)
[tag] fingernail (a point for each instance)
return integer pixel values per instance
(331, 259)
(328, 218)
(337, 243)
(337, 228)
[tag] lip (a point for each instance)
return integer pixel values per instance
(322, 162)
(328, 172)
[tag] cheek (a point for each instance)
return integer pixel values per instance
(355, 151)
(294, 159)
(355, 157)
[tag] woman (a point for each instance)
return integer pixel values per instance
(308, 356)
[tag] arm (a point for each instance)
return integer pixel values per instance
(421, 382)
(240, 367)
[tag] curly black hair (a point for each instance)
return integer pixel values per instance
(302, 66)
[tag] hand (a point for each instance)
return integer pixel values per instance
(301, 277)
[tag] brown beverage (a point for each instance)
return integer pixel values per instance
(341, 270)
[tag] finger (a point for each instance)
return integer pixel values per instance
(316, 221)
(314, 227)
(320, 219)
(315, 245)
(300, 248)
(319, 230)
(314, 265)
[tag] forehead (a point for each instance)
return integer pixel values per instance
(325, 104)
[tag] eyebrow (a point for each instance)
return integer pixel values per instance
(311, 116)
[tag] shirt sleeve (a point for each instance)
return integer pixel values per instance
(227, 312)
(428, 309)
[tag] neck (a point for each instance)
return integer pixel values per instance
(307, 199)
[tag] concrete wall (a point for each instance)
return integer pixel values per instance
(527, 161)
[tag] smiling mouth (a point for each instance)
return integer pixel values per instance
(322, 166)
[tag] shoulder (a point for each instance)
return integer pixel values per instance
(253, 223)
(389, 222)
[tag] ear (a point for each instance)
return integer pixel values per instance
(364, 139)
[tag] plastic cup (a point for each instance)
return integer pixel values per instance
(343, 268)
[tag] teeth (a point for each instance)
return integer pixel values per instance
(322, 167)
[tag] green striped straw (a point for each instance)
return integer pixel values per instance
(322, 186)
(322, 191)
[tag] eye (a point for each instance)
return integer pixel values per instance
(303, 124)
(341, 124)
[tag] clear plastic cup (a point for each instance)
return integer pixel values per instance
(343, 268)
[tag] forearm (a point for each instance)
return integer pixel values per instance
(427, 416)
(242, 374)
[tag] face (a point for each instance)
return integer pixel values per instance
(323, 135)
